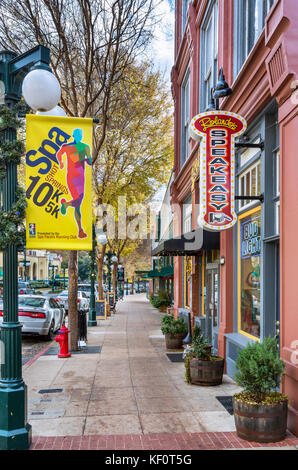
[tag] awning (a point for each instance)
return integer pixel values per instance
(188, 244)
(166, 271)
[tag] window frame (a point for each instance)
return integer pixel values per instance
(185, 120)
(243, 215)
(244, 13)
(246, 204)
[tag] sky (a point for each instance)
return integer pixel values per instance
(162, 47)
(162, 53)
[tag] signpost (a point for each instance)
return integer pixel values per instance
(217, 166)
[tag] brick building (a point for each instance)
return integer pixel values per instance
(237, 298)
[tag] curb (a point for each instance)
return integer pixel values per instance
(30, 362)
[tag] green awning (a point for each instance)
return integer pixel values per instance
(166, 271)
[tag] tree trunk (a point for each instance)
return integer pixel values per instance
(72, 299)
(100, 262)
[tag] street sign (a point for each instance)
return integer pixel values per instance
(217, 166)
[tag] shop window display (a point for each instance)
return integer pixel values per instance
(250, 270)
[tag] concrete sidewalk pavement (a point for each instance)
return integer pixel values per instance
(128, 394)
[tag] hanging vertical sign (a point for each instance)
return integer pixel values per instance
(58, 182)
(217, 166)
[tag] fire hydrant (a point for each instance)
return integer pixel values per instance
(62, 338)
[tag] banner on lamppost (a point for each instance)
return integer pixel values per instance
(218, 130)
(58, 182)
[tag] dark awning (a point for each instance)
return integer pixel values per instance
(188, 244)
(165, 271)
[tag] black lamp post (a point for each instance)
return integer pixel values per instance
(15, 431)
(92, 312)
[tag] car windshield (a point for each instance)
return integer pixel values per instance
(31, 302)
(63, 294)
(85, 288)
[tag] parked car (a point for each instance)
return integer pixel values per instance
(39, 315)
(83, 302)
(24, 288)
(86, 288)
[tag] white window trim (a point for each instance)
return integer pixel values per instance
(243, 205)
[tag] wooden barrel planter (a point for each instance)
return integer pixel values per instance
(175, 342)
(260, 423)
(206, 373)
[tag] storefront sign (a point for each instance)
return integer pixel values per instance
(217, 166)
(250, 238)
(58, 182)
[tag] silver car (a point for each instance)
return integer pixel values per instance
(86, 288)
(39, 315)
(83, 302)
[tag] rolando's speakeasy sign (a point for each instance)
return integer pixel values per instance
(58, 182)
(218, 130)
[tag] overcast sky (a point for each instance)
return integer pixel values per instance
(162, 54)
(163, 43)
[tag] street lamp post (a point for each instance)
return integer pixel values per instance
(92, 312)
(52, 267)
(15, 431)
(127, 286)
(109, 256)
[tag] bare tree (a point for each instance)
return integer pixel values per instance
(92, 43)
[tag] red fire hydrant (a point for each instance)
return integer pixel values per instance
(62, 338)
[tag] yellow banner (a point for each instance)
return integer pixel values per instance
(58, 182)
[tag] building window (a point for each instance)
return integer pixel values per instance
(209, 53)
(249, 22)
(250, 184)
(184, 7)
(185, 117)
(249, 285)
(276, 190)
(187, 215)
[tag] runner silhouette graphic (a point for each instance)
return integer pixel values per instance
(77, 154)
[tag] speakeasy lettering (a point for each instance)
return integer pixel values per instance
(218, 170)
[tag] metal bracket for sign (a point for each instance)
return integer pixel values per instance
(250, 198)
(260, 145)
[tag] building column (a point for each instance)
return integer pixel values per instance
(288, 118)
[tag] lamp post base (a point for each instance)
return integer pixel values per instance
(92, 318)
(15, 433)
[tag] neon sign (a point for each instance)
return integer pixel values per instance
(217, 166)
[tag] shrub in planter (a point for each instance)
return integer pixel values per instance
(260, 411)
(174, 331)
(161, 301)
(201, 367)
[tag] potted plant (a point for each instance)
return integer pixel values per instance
(161, 301)
(201, 367)
(260, 411)
(174, 331)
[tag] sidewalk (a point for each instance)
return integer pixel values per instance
(128, 395)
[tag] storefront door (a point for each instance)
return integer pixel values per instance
(212, 303)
